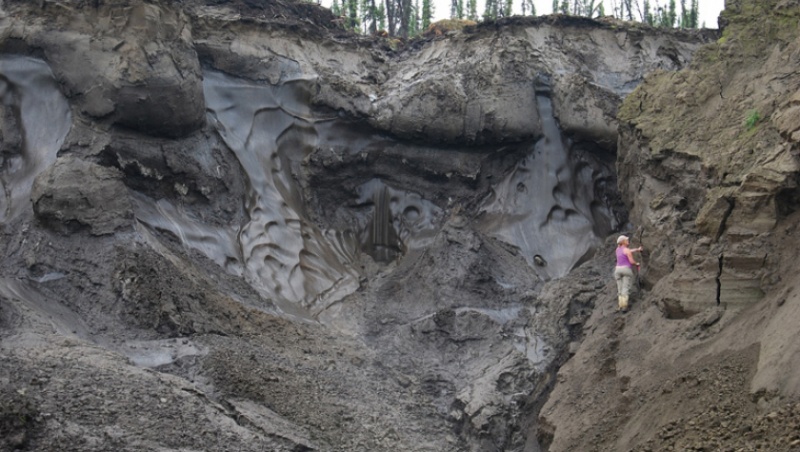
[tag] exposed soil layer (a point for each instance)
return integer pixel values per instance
(708, 165)
(233, 225)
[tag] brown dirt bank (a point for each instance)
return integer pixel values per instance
(708, 165)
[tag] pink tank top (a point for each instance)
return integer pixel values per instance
(622, 259)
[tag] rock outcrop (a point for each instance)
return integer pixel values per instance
(476, 87)
(126, 63)
(708, 166)
(737, 172)
(74, 194)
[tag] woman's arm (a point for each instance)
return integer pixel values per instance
(628, 253)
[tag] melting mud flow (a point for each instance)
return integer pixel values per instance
(40, 309)
(35, 122)
(385, 200)
(270, 130)
(547, 206)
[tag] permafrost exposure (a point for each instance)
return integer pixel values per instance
(554, 204)
(233, 225)
(36, 119)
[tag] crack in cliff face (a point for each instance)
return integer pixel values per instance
(725, 215)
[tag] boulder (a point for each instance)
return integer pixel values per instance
(74, 194)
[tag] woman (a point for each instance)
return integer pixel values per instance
(623, 273)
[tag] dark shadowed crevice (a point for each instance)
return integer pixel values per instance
(382, 238)
(731, 204)
(788, 200)
(719, 275)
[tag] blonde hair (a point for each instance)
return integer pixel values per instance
(622, 238)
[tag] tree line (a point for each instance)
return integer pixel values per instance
(407, 18)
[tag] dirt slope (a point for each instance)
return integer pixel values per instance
(231, 225)
(708, 165)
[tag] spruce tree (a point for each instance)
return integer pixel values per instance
(588, 8)
(415, 20)
(684, 23)
(491, 9)
(648, 15)
(381, 14)
(369, 16)
(352, 14)
(621, 10)
(472, 13)
(528, 8)
(391, 16)
(427, 13)
(405, 8)
(363, 17)
(693, 14)
(673, 15)
(507, 8)
(336, 9)
(555, 6)
(661, 17)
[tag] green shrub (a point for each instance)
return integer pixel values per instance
(752, 119)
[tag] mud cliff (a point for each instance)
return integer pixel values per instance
(708, 167)
(232, 225)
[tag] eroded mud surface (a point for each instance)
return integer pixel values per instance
(360, 278)
(234, 226)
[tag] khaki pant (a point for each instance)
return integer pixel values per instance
(624, 277)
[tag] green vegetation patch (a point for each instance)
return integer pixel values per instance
(752, 119)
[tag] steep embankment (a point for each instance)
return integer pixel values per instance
(708, 165)
(232, 225)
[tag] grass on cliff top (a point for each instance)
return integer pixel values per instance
(446, 25)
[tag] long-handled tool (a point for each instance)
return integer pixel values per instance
(640, 233)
